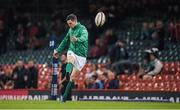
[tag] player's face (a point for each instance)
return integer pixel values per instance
(71, 23)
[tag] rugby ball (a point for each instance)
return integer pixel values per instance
(100, 19)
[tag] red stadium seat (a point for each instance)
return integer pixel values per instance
(169, 80)
(123, 78)
(149, 86)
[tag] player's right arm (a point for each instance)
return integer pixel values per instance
(62, 45)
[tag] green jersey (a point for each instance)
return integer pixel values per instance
(80, 47)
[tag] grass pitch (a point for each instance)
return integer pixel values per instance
(86, 105)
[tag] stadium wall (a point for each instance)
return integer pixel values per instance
(95, 95)
(137, 96)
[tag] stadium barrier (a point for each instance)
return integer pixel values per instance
(24, 94)
(95, 95)
(116, 95)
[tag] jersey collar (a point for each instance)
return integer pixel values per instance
(77, 25)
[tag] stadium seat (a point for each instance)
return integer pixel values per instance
(161, 82)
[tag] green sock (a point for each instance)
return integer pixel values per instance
(69, 68)
(68, 89)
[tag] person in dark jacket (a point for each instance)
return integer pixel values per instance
(1, 77)
(3, 37)
(19, 75)
(160, 34)
(63, 80)
(113, 82)
(32, 75)
(118, 52)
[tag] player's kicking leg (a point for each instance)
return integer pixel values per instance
(73, 77)
(71, 74)
(73, 68)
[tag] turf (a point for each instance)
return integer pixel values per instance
(88, 105)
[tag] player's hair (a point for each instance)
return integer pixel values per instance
(72, 17)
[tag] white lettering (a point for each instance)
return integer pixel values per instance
(171, 99)
(114, 98)
(101, 97)
(95, 97)
(177, 100)
(108, 98)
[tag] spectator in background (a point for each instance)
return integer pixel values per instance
(113, 81)
(32, 75)
(152, 65)
(119, 58)
(100, 81)
(109, 38)
(3, 37)
(87, 83)
(95, 51)
(144, 31)
(90, 71)
(98, 78)
(172, 31)
(19, 75)
(173, 11)
(118, 52)
(151, 29)
(57, 26)
(101, 69)
(35, 32)
(99, 49)
(94, 83)
(1, 77)
(62, 75)
(147, 30)
(7, 78)
(159, 35)
(104, 79)
(20, 38)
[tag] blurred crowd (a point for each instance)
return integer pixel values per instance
(30, 30)
(100, 77)
(107, 77)
(21, 76)
(157, 31)
(95, 76)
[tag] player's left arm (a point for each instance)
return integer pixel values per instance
(83, 35)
